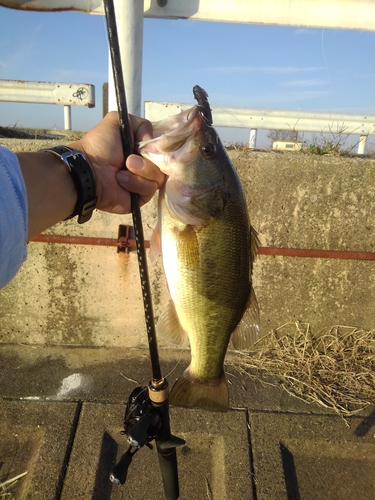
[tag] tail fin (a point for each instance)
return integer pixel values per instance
(211, 395)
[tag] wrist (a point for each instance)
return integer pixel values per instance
(79, 146)
(83, 177)
(51, 194)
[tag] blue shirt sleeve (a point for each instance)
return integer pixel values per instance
(13, 216)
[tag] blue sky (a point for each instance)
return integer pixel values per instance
(239, 65)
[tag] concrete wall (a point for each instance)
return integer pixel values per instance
(90, 295)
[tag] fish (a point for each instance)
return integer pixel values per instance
(208, 247)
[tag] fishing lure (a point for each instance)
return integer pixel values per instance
(201, 96)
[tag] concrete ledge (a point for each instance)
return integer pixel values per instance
(109, 376)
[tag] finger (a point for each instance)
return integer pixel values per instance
(133, 183)
(145, 169)
(112, 118)
(142, 129)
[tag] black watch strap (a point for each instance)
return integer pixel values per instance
(83, 179)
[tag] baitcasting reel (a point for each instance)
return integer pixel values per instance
(141, 421)
(146, 419)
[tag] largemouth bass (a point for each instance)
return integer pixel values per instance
(208, 247)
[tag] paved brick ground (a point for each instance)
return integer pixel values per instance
(62, 412)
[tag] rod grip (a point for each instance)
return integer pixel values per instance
(169, 472)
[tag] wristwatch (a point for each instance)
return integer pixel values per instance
(83, 178)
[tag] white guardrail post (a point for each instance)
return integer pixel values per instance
(129, 22)
(275, 119)
(253, 138)
(362, 144)
(66, 94)
(67, 118)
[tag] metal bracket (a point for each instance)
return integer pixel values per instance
(124, 243)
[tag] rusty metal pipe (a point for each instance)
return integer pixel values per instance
(75, 240)
(84, 240)
(317, 253)
(284, 252)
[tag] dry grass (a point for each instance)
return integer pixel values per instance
(335, 369)
(7, 485)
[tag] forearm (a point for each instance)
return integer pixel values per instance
(50, 190)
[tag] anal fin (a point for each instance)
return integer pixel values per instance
(247, 330)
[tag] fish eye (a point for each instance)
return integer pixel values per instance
(209, 151)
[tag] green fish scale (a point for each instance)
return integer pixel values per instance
(213, 283)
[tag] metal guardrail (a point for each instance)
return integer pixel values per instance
(66, 94)
(275, 119)
(348, 14)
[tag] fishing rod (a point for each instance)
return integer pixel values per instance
(147, 412)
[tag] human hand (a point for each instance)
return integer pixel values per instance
(103, 150)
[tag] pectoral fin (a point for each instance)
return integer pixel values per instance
(247, 329)
(155, 243)
(168, 326)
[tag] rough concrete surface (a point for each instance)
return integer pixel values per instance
(89, 295)
(312, 457)
(35, 437)
(215, 457)
(109, 375)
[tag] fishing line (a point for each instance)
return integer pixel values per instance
(174, 368)
(233, 116)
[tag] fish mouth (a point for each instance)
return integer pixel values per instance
(185, 123)
(173, 132)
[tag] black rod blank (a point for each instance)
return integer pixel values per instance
(166, 444)
(127, 144)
